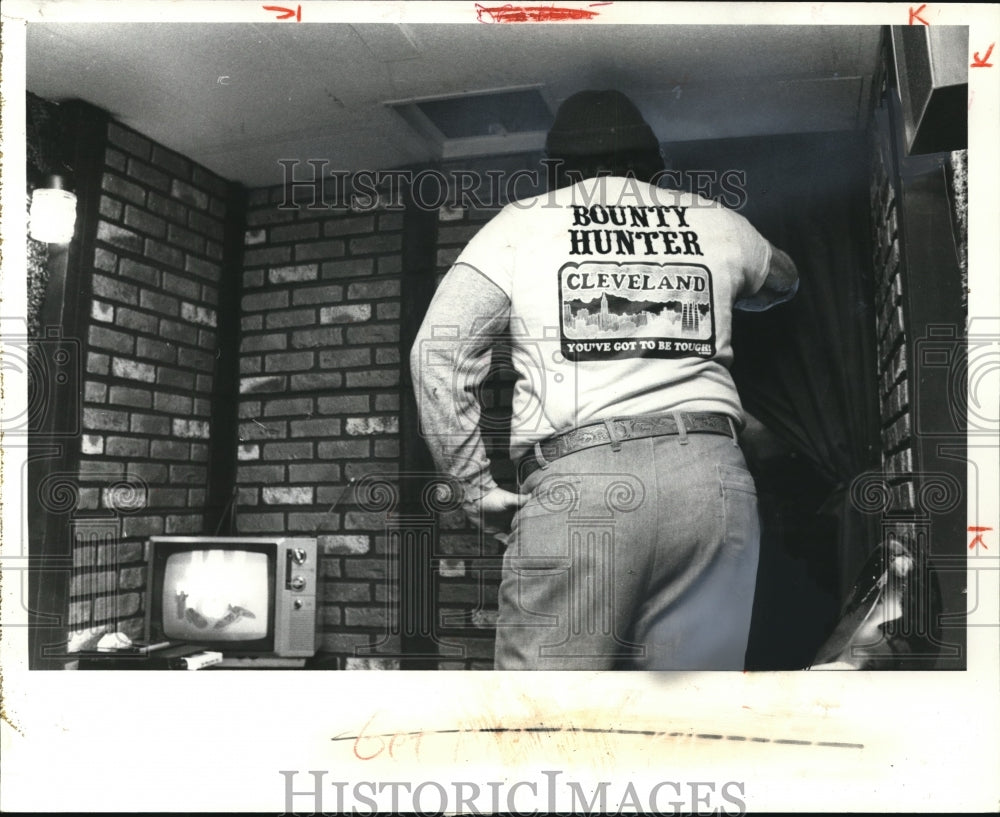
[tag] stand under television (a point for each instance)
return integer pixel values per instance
(270, 662)
(174, 659)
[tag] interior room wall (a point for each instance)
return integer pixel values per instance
(919, 257)
(319, 397)
(318, 405)
(146, 344)
(323, 386)
(464, 563)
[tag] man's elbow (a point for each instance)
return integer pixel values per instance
(782, 280)
(784, 276)
(785, 290)
(780, 285)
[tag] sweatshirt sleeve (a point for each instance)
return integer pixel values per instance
(450, 359)
(756, 252)
(491, 251)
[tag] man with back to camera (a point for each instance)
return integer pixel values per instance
(634, 536)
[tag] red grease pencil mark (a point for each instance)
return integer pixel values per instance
(975, 543)
(375, 751)
(981, 62)
(287, 14)
(529, 14)
(500, 733)
(915, 15)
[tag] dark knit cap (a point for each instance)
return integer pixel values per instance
(599, 122)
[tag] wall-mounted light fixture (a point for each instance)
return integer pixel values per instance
(53, 212)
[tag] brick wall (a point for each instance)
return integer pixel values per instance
(149, 359)
(467, 562)
(319, 397)
(921, 342)
(891, 329)
(318, 410)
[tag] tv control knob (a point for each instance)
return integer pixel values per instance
(298, 555)
(297, 604)
(297, 582)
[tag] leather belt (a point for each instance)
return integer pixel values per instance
(617, 430)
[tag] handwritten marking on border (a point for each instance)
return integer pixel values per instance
(510, 13)
(368, 747)
(915, 15)
(979, 531)
(286, 13)
(981, 62)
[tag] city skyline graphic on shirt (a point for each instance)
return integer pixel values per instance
(658, 307)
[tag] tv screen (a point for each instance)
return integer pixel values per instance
(217, 595)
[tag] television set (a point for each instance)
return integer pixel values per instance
(250, 598)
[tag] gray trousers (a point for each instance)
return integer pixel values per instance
(643, 557)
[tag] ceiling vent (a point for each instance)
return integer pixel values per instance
(505, 120)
